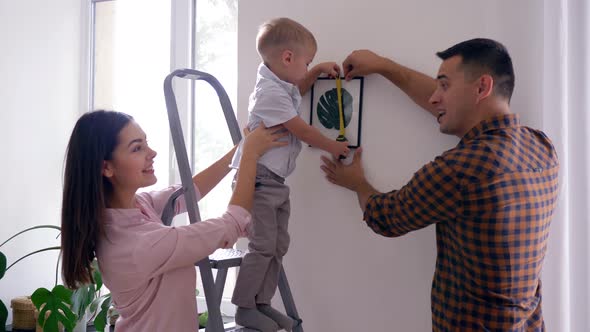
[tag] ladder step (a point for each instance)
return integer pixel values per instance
(233, 327)
(226, 258)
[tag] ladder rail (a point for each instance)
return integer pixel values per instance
(213, 288)
(215, 323)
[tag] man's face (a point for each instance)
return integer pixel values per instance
(455, 98)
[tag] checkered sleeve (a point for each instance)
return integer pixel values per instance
(431, 196)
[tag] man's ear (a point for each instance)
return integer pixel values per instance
(485, 86)
(287, 57)
(107, 169)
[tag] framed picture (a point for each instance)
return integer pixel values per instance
(325, 115)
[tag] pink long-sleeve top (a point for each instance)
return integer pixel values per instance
(149, 268)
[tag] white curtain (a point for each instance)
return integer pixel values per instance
(566, 119)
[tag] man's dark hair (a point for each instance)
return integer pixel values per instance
(485, 56)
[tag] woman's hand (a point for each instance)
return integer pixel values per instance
(256, 143)
(261, 139)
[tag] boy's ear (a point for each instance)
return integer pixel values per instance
(107, 169)
(287, 57)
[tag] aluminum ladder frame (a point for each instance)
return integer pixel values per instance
(222, 259)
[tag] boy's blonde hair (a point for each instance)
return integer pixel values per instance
(282, 33)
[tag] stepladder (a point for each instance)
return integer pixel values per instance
(222, 259)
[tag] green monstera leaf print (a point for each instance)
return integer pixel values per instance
(327, 109)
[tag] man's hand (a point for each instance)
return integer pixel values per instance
(361, 63)
(349, 176)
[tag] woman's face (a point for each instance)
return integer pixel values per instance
(132, 166)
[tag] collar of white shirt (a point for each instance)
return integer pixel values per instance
(265, 73)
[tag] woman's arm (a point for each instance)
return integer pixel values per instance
(163, 249)
(212, 175)
(255, 144)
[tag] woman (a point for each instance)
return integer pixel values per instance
(148, 267)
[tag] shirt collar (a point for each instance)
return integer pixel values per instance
(265, 73)
(493, 123)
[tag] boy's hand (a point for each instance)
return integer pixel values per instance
(340, 149)
(332, 69)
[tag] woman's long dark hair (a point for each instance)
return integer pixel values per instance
(93, 140)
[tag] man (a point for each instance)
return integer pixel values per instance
(491, 197)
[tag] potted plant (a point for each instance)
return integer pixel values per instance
(203, 316)
(55, 302)
(61, 305)
(88, 303)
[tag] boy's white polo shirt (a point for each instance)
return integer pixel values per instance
(273, 102)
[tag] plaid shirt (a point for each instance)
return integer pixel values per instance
(491, 198)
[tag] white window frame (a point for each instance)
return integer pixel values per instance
(182, 55)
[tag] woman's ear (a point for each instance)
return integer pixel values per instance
(107, 169)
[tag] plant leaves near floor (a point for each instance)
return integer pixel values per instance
(57, 302)
(4, 268)
(100, 322)
(3, 310)
(2, 265)
(327, 109)
(203, 319)
(3, 316)
(96, 275)
(82, 298)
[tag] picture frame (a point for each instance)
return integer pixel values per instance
(324, 114)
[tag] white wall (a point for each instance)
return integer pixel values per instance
(40, 61)
(343, 276)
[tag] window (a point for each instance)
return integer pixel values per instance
(136, 44)
(131, 59)
(216, 54)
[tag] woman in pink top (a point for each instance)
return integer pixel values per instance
(148, 267)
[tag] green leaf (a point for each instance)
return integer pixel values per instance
(2, 264)
(63, 293)
(82, 298)
(96, 275)
(97, 302)
(203, 319)
(40, 296)
(51, 324)
(58, 302)
(100, 322)
(327, 109)
(3, 316)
